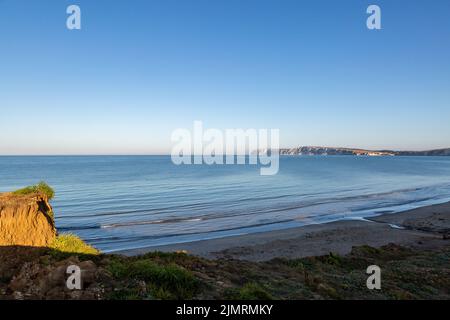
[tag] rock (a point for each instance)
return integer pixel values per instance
(57, 277)
(18, 295)
(142, 288)
(18, 284)
(88, 272)
(26, 220)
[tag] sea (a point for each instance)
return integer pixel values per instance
(128, 202)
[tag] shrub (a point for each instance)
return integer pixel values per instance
(41, 187)
(333, 259)
(253, 291)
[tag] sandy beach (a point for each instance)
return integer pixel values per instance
(426, 228)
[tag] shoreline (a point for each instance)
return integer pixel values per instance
(425, 227)
(417, 251)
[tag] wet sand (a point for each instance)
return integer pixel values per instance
(426, 228)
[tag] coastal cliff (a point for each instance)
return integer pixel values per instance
(26, 220)
(359, 152)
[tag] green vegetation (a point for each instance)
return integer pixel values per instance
(253, 291)
(250, 291)
(407, 274)
(168, 281)
(41, 187)
(69, 243)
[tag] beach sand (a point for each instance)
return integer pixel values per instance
(424, 228)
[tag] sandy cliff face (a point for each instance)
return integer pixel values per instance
(26, 220)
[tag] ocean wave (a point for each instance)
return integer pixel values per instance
(170, 235)
(341, 202)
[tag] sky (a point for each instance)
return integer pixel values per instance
(138, 70)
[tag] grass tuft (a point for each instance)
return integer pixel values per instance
(41, 187)
(70, 243)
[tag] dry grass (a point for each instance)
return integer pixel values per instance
(70, 243)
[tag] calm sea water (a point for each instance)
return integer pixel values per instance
(123, 202)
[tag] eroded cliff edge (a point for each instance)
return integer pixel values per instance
(26, 220)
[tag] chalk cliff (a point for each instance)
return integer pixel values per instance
(359, 152)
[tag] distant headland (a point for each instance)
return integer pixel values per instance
(309, 150)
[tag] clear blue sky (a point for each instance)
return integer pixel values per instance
(139, 69)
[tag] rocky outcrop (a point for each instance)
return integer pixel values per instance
(26, 220)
